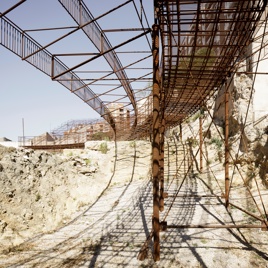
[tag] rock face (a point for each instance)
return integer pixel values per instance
(41, 191)
(241, 111)
(242, 117)
(252, 148)
(248, 138)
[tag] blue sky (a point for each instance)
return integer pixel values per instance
(25, 92)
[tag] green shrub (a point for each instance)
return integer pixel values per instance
(218, 143)
(193, 142)
(87, 161)
(132, 144)
(195, 116)
(103, 148)
(99, 136)
(37, 197)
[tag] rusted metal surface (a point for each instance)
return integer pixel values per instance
(217, 226)
(57, 146)
(201, 42)
(22, 44)
(197, 46)
(161, 162)
(226, 164)
(11, 8)
(156, 142)
(81, 14)
(201, 142)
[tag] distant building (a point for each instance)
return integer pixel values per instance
(145, 107)
(118, 111)
(3, 139)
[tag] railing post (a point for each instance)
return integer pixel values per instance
(227, 180)
(156, 143)
(52, 67)
(22, 45)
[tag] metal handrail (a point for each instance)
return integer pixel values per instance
(81, 14)
(20, 43)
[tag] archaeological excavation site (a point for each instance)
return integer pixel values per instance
(174, 171)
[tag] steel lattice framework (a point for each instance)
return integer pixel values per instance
(202, 42)
(201, 45)
(187, 51)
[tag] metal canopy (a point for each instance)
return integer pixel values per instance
(174, 62)
(202, 43)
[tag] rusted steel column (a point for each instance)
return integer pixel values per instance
(156, 142)
(201, 143)
(227, 180)
(161, 162)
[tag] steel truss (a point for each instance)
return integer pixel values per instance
(196, 61)
(197, 48)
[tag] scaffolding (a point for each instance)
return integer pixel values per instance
(193, 52)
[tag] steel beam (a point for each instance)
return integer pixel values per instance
(156, 142)
(13, 7)
(162, 155)
(217, 226)
(227, 179)
(201, 143)
(99, 55)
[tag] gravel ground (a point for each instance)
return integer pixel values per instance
(112, 230)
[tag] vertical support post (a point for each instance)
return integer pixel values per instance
(52, 67)
(180, 132)
(227, 180)
(156, 142)
(184, 157)
(161, 162)
(201, 142)
(22, 45)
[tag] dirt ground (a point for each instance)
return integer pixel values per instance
(111, 231)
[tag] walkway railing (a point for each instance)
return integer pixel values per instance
(20, 43)
(81, 14)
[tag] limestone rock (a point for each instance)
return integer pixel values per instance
(40, 191)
